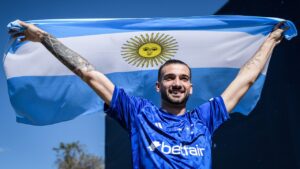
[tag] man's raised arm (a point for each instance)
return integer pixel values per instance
(250, 71)
(76, 63)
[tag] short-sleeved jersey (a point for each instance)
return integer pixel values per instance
(163, 140)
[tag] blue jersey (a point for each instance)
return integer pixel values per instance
(163, 140)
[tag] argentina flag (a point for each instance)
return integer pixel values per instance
(129, 51)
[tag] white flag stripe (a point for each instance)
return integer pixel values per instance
(232, 51)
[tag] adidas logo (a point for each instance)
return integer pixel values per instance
(158, 124)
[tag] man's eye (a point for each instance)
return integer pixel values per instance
(168, 78)
(185, 79)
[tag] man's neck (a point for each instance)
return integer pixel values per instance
(176, 109)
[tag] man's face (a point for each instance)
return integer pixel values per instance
(175, 84)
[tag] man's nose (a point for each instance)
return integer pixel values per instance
(177, 83)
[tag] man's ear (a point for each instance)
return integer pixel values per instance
(191, 89)
(157, 86)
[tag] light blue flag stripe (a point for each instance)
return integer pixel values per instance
(58, 105)
(51, 98)
(249, 24)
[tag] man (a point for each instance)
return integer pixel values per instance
(166, 137)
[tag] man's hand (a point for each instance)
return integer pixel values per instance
(250, 71)
(32, 33)
(277, 34)
(75, 62)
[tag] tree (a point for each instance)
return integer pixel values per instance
(73, 156)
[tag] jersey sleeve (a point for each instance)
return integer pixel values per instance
(123, 108)
(213, 113)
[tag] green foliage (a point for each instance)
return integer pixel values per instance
(73, 156)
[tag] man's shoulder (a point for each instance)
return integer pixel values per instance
(206, 106)
(138, 100)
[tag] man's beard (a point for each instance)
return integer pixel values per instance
(169, 99)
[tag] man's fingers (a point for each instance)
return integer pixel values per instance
(281, 26)
(11, 31)
(18, 34)
(277, 26)
(23, 39)
(285, 28)
(24, 24)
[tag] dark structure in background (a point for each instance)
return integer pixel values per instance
(270, 137)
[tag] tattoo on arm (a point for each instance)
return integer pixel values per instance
(68, 57)
(253, 61)
(258, 61)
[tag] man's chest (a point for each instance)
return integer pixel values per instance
(171, 135)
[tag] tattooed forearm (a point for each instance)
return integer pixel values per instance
(253, 62)
(68, 57)
(258, 61)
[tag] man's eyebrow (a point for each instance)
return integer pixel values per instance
(169, 74)
(172, 74)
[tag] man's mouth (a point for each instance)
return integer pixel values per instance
(176, 93)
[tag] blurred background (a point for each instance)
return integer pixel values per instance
(267, 139)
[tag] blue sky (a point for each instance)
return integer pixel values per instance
(30, 147)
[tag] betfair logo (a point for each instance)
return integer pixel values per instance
(177, 149)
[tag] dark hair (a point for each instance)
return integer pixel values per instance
(172, 61)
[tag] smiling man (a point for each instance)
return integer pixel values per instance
(174, 84)
(168, 136)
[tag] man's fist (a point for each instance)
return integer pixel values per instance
(31, 33)
(277, 33)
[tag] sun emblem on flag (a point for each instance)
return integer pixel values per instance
(149, 49)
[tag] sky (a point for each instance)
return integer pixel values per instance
(30, 147)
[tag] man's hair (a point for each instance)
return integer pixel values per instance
(169, 62)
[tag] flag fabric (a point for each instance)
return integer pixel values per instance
(129, 51)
